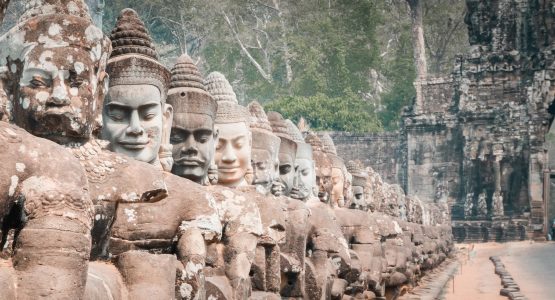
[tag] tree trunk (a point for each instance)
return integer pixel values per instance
(286, 53)
(419, 49)
(96, 10)
(3, 7)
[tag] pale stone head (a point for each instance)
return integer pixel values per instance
(54, 63)
(193, 135)
(135, 109)
(287, 151)
(265, 148)
(234, 145)
(337, 172)
(322, 167)
(304, 182)
(358, 184)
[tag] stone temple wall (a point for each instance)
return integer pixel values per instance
(488, 139)
(477, 138)
(379, 151)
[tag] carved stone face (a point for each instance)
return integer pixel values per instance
(57, 93)
(358, 195)
(265, 167)
(233, 153)
(286, 171)
(347, 187)
(133, 121)
(193, 138)
(324, 187)
(305, 179)
(337, 185)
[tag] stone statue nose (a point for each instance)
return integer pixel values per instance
(189, 147)
(60, 96)
(229, 155)
(135, 127)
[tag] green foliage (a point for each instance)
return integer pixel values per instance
(347, 112)
(330, 47)
(401, 71)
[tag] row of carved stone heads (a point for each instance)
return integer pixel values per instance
(121, 179)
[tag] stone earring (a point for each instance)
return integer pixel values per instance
(212, 175)
(165, 157)
(249, 176)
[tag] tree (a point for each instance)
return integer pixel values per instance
(445, 33)
(345, 113)
(3, 7)
(418, 38)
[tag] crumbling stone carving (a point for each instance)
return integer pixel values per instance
(337, 172)
(287, 151)
(193, 135)
(359, 185)
(135, 115)
(233, 150)
(119, 205)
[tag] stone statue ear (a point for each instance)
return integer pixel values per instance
(4, 111)
(165, 151)
(167, 111)
(216, 134)
(101, 92)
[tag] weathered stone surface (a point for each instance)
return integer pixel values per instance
(169, 237)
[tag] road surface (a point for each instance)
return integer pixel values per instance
(532, 265)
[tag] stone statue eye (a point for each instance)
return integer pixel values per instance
(284, 169)
(38, 81)
(116, 114)
(75, 81)
(261, 165)
(202, 136)
(149, 116)
(175, 139)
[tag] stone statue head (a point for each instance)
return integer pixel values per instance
(304, 182)
(480, 21)
(337, 170)
(359, 184)
(265, 148)
(53, 64)
(233, 148)
(322, 167)
(192, 135)
(287, 151)
(135, 109)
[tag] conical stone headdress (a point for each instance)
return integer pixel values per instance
(280, 128)
(134, 60)
(304, 150)
(38, 8)
(187, 93)
(327, 144)
(356, 169)
(229, 110)
(331, 151)
(321, 159)
(262, 135)
(55, 23)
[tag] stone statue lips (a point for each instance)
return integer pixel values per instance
(58, 110)
(298, 193)
(133, 144)
(228, 169)
(189, 162)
